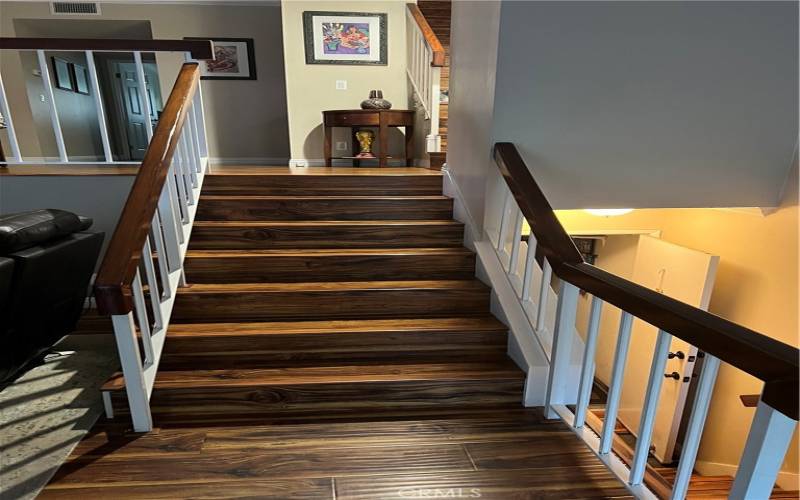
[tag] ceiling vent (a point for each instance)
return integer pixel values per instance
(75, 8)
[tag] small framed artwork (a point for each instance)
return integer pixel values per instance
(81, 79)
(234, 59)
(345, 37)
(62, 74)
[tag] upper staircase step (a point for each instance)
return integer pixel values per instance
(277, 181)
(325, 234)
(281, 343)
(241, 208)
(350, 264)
(330, 300)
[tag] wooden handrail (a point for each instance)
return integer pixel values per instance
(200, 49)
(113, 284)
(430, 37)
(765, 358)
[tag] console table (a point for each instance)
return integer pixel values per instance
(358, 118)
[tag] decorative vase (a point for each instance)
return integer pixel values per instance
(365, 139)
(375, 101)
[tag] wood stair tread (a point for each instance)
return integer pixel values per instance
(281, 252)
(197, 379)
(200, 288)
(257, 197)
(192, 330)
(327, 223)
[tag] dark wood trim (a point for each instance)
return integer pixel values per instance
(200, 49)
(763, 357)
(113, 284)
(430, 37)
(750, 400)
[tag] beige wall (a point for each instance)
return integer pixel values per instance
(311, 88)
(246, 119)
(756, 286)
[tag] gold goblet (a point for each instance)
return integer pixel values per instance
(365, 139)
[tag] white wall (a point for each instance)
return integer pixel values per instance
(650, 104)
(472, 87)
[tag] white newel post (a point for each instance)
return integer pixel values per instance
(764, 451)
(562, 348)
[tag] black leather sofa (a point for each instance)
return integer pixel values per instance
(47, 258)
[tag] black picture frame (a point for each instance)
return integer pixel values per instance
(80, 77)
(205, 72)
(308, 37)
(62, 74)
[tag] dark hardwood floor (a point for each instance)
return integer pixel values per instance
(498, 454)
(332, 344)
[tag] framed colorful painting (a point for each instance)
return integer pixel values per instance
(234, 59)
(345, 37)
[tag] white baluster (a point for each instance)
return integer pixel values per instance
(188, 162)
(562, 348)
(140, 306)
(132, 370)
(144, 97)
(195, 142)
(530, 261)
(176, 175)
(769, 438)
(588, 366)
(152, 283)
(157, 232)
(12, 134)
(501, 233)
(544, 296)
(172, 228)
(615, 388)
(648, 417)
(694, 429)
(98, 104)
(51, 101)
(516, 237)
(197, 106)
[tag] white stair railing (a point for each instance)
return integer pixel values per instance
(773, 362)
(424, 58)
(195, 49)
(157, 220)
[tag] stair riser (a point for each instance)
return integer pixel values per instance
(332, 397)
(288, 269)
(355, 345)
(323, 185)
(355, 236)
(332, 304)
(239, 209)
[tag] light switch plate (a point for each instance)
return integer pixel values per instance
(341, 84)
(341, 146)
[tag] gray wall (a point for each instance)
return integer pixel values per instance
(472, 85)
(650, 104)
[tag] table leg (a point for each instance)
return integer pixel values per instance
(410, 146)
(383, 141)
(327, 147)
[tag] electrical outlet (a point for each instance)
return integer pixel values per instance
(41, 98)
(341, 84)
(341, 146)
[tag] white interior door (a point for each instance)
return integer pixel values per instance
(686, 275)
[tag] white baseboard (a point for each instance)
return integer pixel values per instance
(786, 480)
(260, 161)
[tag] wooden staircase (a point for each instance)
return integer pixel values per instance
(438, 13)
(323, 295)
